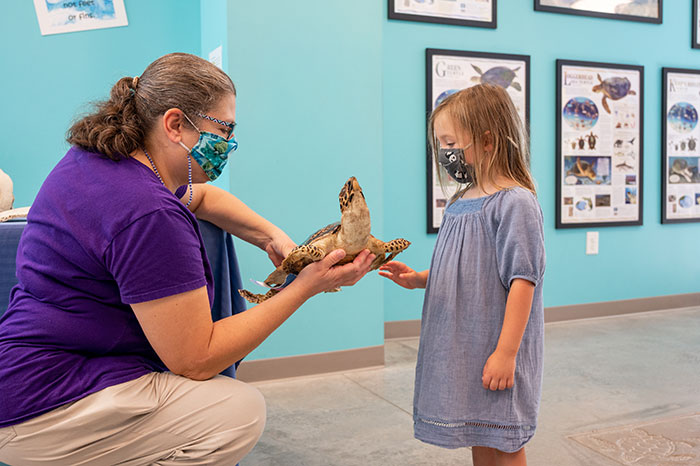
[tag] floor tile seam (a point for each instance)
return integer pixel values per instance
(622, 316)
(378, 396)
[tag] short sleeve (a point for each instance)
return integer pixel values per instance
(520, 238)
(157, 255)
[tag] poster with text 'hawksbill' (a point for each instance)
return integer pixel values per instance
(449, 71)
(60, 16)
(599, 144)
(681, 150)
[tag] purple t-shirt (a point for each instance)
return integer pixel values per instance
(100, 235)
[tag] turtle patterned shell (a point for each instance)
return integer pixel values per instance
(617, 87)
(327, 230)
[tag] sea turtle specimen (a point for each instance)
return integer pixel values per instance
(351, 234)
(614, 88)
(498, 75)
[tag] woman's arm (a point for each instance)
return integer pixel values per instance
(499, 371)
(229, 213)
(182, 333)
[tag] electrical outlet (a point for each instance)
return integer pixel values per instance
(591, 242)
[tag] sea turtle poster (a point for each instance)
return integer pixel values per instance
(633, 10)
(59, 16)
(681, 150)
(449, 71)
(599, 144)
(480, 13)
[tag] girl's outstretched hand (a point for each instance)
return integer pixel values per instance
(403, 275)
(499, 371)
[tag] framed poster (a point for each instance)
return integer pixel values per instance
(696, 25)
(649, 11)
(59, 16)
(599, 144)
(479, 13)
(680, 146)
(448, 71)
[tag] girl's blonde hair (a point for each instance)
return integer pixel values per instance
(487, 113)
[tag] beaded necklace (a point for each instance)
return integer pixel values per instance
(189, 173)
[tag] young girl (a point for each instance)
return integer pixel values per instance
(479, 370)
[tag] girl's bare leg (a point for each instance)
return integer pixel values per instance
(484, 456)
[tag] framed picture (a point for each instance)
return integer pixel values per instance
(680, 146)
(479, 13)
(56, 17)
(448, 71)
(696, 25)
(648, 11)
(599, 144)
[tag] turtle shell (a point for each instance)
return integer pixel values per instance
(499, 75)
(327, 230)
(616, 87)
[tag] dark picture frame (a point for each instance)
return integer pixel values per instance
(696, 26)
(680, 157)
(576, 11)
(605, 179)
(396, 13)
(468, 68)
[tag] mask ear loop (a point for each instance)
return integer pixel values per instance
(189, 178)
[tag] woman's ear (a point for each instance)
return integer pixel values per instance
(488, 142)
(174, 124)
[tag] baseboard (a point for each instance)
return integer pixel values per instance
(311, 364)
(373, 356)
(411, 328)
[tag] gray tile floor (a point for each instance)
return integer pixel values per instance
(599, 373)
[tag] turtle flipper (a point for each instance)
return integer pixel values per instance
(605, 104)
(516, 86)
(380, 249)
(276, 278)
(257, 298)
(300, 257)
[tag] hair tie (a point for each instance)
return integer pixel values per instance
(135, 82)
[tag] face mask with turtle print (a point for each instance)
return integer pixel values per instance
(211, 151)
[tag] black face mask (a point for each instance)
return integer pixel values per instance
(452, 160)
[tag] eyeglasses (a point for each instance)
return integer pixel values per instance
(230, 126)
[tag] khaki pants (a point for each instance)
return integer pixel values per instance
(160, 419)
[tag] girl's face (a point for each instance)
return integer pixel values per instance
(449, 137)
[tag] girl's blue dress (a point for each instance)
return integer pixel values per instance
(483, 244)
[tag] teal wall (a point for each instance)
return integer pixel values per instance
(634, 262)
(47, 81)
(333, 89)
(309, 110)
(214, 33)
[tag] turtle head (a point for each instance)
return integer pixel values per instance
(351, 196)
(598, 87)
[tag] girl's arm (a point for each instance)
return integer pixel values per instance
(229, 213)
(403, 275)
(499, 371)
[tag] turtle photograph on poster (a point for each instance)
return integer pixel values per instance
(599, 144)
(448, 71)
(680, 146)
(629, 10)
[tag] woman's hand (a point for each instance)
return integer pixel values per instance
(279, 248)
(403, 275)
(324, 275)
(499, 371)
